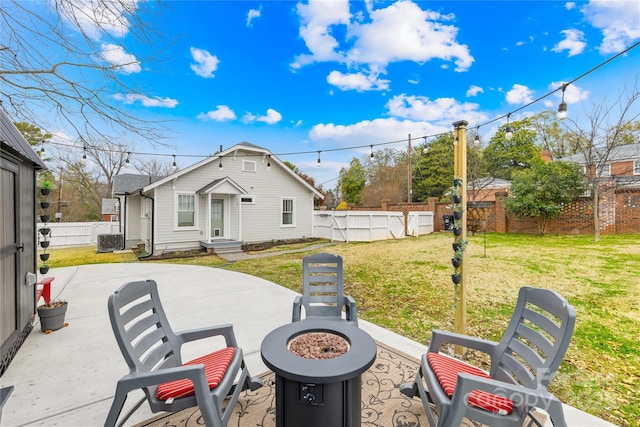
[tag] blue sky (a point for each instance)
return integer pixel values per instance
(322, 75)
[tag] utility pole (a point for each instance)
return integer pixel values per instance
(409, 173)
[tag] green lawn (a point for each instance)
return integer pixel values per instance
(405, 286)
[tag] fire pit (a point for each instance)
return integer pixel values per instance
(317, 365)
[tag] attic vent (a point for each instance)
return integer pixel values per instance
(110, 242)
(249, 166)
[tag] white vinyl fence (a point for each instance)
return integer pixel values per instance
(79, 233)
(369, 226)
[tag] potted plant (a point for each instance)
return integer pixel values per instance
(52, 315)
(44, 218)
(457, 215)
(46, 187)
(457, 231)
(456, 262)
(456, 277)
(44, 256)
(44, 268)
(44, 205)
(44, 244)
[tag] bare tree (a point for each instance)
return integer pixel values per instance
(607, 126)
(153, 166)
(45, 67)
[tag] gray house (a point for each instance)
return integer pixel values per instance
(19, 165)
(241, 195)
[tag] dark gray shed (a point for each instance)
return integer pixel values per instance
(19, 165)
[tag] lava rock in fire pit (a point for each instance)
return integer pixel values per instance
(318, 345)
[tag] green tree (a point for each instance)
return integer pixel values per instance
(433, 168)
(504, 156)
(543, 190)
(32, 133)
(352, 182)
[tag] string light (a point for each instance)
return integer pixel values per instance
(507, 132)
(269, 162)
(424, 150)
(126, 162)
(174, 166)
(84, 154)
(476, 140)
(562, 108)
(372, 156)
(220, 158)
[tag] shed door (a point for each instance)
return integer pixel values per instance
(8, 251)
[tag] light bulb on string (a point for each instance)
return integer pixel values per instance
(508, 133)
(174, 166)
(84, 154)
(562, 108)
(476, 140)
(319, 161)
(126, 162)
(424, 149)
(269, 162)
(372, 155)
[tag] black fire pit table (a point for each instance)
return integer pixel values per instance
(318, 393)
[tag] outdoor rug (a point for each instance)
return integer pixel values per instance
(382, 403)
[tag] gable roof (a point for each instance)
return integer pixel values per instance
(226, 184)
(13, 139)
(619, 153)
(130, 183)
(246, 146)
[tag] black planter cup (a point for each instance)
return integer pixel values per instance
(457, 231)
(44, 205)
(44, 269)
(45, 231)
(457, 199)
(44, 218)
(455, 278)
(456, 262)
(457, 215)
(44, 257)
(44, 244)
(455, 246)
(45, 191)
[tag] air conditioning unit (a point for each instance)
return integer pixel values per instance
(110, 242)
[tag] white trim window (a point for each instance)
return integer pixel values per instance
(288, 207)
(606, 169)
(636, 167)
(249, 166)
(186, 214)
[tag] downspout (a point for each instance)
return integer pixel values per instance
(150, 253)
(123, 218)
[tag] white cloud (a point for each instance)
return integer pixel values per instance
(253, 14)
(272, 117)
(519, 94)
(619, 22)
(94, 17)
(569, 5)
(474, 90)
(399, 32)
(421, 108)
(126, 63)
(156, 101)
(357, 81)
(572, 94)
(523, 42)
(220, 114)
(573, 42)
(205, 64)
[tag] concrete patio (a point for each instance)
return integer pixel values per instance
(68, 377)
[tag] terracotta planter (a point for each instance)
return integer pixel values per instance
(44, 257)
(52, 316)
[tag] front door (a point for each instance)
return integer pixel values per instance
(217, 218)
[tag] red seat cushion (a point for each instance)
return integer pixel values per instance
(447, 370)
(215, 365)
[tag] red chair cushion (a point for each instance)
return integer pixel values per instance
(447, 370)
(215, 365)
